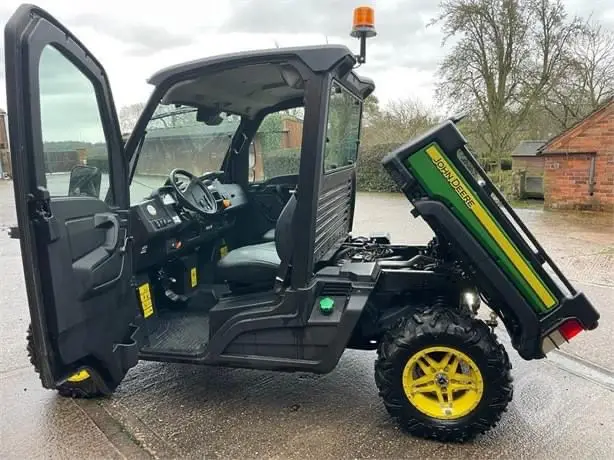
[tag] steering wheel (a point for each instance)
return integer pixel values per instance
(211, 175)
(195, 195)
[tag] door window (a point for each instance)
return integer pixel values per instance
(343, 129)
(74, 146)
(276, 147)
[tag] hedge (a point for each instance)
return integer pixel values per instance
(280, 162)
(370, 174)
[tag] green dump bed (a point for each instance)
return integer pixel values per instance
(453, 194)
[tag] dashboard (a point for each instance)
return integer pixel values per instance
(162, 227)
(167, 198)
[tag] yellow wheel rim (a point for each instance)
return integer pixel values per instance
(443, 383)
(79, 376)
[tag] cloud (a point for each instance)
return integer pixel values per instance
(140, 39)
(135, 38)
(394, 19)
(69, 109)
(403, 40)
(601, 10)
(2, 70)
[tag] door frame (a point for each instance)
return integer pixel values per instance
(29, 30)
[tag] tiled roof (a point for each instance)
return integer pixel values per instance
(577, 127)
(528, 148)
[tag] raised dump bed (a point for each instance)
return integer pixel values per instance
(449, 189)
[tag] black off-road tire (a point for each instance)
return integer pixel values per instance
(84, 389)
(442, 326)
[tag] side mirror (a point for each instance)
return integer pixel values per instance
(84, 181)
(208, 116)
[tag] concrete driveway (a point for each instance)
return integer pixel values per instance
(563, 407)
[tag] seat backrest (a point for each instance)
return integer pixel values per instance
(284, 233)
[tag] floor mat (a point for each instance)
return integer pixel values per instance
(180, 333)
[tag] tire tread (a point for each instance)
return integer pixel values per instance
(85, 389)
(433, 323)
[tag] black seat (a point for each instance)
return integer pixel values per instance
(258, 264)
(254, 264)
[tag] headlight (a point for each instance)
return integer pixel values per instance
(471, 299)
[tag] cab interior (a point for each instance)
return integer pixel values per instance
(214, 193)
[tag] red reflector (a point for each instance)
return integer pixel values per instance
(570, 328)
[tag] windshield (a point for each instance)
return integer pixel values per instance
(174, 138)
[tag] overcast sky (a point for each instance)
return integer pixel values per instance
(134, 38)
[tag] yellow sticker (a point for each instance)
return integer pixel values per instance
(146, 302)
(223, 251)
(193, 278)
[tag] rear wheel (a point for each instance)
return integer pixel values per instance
(443, 375)
(79, 385)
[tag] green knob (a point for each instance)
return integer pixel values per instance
(327, 305)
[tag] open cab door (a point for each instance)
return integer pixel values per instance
(72, 200)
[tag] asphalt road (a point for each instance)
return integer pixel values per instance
(563, 407)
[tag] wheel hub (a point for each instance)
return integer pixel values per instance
(441, 380)
(443, 383)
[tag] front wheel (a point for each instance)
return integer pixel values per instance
(79, 385)
(443, 375)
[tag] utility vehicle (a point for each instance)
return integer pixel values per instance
(219, 233)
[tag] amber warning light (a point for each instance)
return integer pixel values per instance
(363, 27)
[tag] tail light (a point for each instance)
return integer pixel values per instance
(565, 332)
(570, 328)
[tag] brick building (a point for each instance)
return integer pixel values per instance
(528, 166)
(579, 164)
(288, 136)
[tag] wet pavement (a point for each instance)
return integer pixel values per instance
(563, 407)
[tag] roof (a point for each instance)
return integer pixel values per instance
(528, 148)
(318, 58)
(250, 82)
(576, 128)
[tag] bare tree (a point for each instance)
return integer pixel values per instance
(371, 109)
(296, 112)
(398, 122)
(593, 56)
(507, 54)
(128, 116)
(589, 77)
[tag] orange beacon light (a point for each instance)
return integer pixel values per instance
(363, 27)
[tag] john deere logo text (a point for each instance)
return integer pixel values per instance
(446, 171)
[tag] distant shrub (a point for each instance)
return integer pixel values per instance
(504, 180)
(281, 162)
(370, 174)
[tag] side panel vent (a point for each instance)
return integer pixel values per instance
(333, 218)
